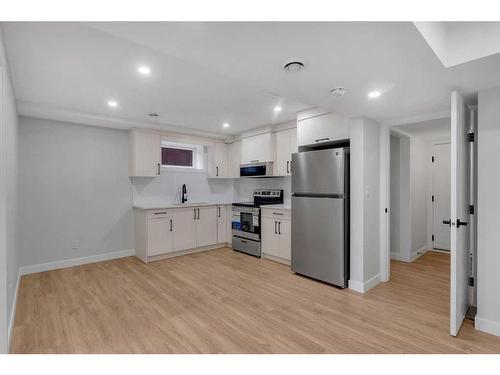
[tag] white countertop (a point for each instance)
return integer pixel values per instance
(160, 206)
(277, 206)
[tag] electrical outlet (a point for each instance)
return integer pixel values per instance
(75, 244)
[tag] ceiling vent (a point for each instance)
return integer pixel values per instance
(338, 91)
(293, 66)
(153, 115)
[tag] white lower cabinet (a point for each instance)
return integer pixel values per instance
(206, 226)
(165, 231)
(184, 222)
(276, 235)
(221, 224)
(159, 236)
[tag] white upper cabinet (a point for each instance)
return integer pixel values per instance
(234, 159)
(144, 153)
(324, 128)
(285, 146)
(217, 163)
(257, 148)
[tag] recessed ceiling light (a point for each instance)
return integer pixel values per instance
(112, 103)
(338, 91)
(293, 66)
(153, 115)
(225, 125)
(374, 94)
(144, 70)
(277, 108)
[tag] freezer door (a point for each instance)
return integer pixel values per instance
(318, 249)
(318, 172)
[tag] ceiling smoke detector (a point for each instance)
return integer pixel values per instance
(293, 66)
(338, 91)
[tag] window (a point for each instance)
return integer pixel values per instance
(181, 155)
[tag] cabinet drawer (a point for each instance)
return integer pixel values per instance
(275, 213)
(156, 214)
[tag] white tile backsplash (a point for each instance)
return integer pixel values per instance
(166, 188)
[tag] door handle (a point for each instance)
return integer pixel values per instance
(170, 225)
(158, 166)
(275, 230)
(279, 227)
(447, 222)
(459, 223)
(287, 166)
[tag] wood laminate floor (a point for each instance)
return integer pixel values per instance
(222, 301)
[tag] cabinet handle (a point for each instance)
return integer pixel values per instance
(198, 213)
(321, 139)
(219, 211)
(278, 213)
(217, 171)
(170, 225)
(160, 213)
(158, 165)
(279, 227)
(287, 166)
(194, 210)
(254, 161)
(275, 230)
(243, 241)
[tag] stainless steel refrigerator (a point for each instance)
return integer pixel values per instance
(320, 215)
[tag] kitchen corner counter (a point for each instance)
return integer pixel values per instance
(161, 206)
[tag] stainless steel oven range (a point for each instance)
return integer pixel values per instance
(245, 220)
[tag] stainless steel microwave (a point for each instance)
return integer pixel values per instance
(256, 169)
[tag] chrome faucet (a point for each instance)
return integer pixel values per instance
(184, 195)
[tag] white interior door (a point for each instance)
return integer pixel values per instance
(458, 209)
(441, 193)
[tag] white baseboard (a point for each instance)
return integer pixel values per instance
(398, 256)
(415, 255)
(488, 326)
(13, 312)
(26, 270)
(360, 287)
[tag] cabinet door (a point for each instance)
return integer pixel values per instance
(221, 224)
(324, 128)
(159, 236)
(269, 237)
(234, 159)
(217, 160)
(145, 152)
(283, 152)
(285, 239)
(258, 148)
(184, 228)
(206, 226)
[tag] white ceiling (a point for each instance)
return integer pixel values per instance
(208, 73)
(432, 130)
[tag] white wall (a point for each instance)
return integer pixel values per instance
(420, 195)
(166, 188)
(488, 212)
(9, 264)
(410, 178)
(365, 204)
(73, 185)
